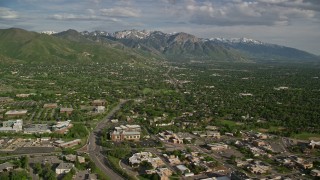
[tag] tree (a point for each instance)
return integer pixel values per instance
(37, 168)
(24, 162)
(146, 165)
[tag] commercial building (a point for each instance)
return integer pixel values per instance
(37, 129)
(128, 132)
(183, 169)
(64, 168)
(98, 102)
(217, 146)
(6, 167)
(50, 105)
(137, 158)
(62, 126)
(12, 126)
(169, 136)
(16, 113)
(66, 110)
(62, 144)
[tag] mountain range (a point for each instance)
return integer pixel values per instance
(71, 45)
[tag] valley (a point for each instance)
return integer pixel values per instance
(72, 106)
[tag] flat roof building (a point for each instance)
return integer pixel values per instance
(14, 113)
(50, 105)
(37, 129)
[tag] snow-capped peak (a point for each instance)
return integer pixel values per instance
(132, 34)
(245, 40)
(95, 33)
(48, 32)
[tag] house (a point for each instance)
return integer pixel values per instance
(16, 113)
(301, 162)
(43, 139)
(172, 159)
(314, 144)
(258, 167)
(5, 100)
(238, 175)
(64, 168)
(50, 105)
(71, 157)
(212, 128)
(100, 109)
(98, 102)
(114, 120)
(183, 169)
(213, 134)
(315, 173)
(164, 173)
(306, 164)
(217, 146)
(259, 143)
(261, 136)
(81, 159)
(6, 167)
(66, 110)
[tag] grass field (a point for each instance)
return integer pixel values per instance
(230, 123)
(307, 136)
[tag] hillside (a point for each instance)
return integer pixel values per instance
(34, 47)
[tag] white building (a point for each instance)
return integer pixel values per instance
(64, 168)
(137, 158)
(12, 126)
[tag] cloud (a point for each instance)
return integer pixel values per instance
(71, 17)
(7, 13)
(240, 12)
(120, 12)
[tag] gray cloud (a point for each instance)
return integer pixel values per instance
(71, 17)
(7, 13)
(120, 12)
(240, 12)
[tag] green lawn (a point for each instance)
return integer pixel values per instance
(229, 123)
(307, 136)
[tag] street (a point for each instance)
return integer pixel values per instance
(94, 149)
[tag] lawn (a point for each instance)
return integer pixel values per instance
(229, 123)
(307, 136)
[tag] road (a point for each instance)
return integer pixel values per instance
(94, 149)
(171, 79)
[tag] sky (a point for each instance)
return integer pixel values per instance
(293, 23)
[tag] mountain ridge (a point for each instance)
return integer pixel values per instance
(71, 45)
(173, 45)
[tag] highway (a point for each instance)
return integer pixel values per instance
(94, 149)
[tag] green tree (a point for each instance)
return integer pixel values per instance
(146, 165)
(37, 168)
